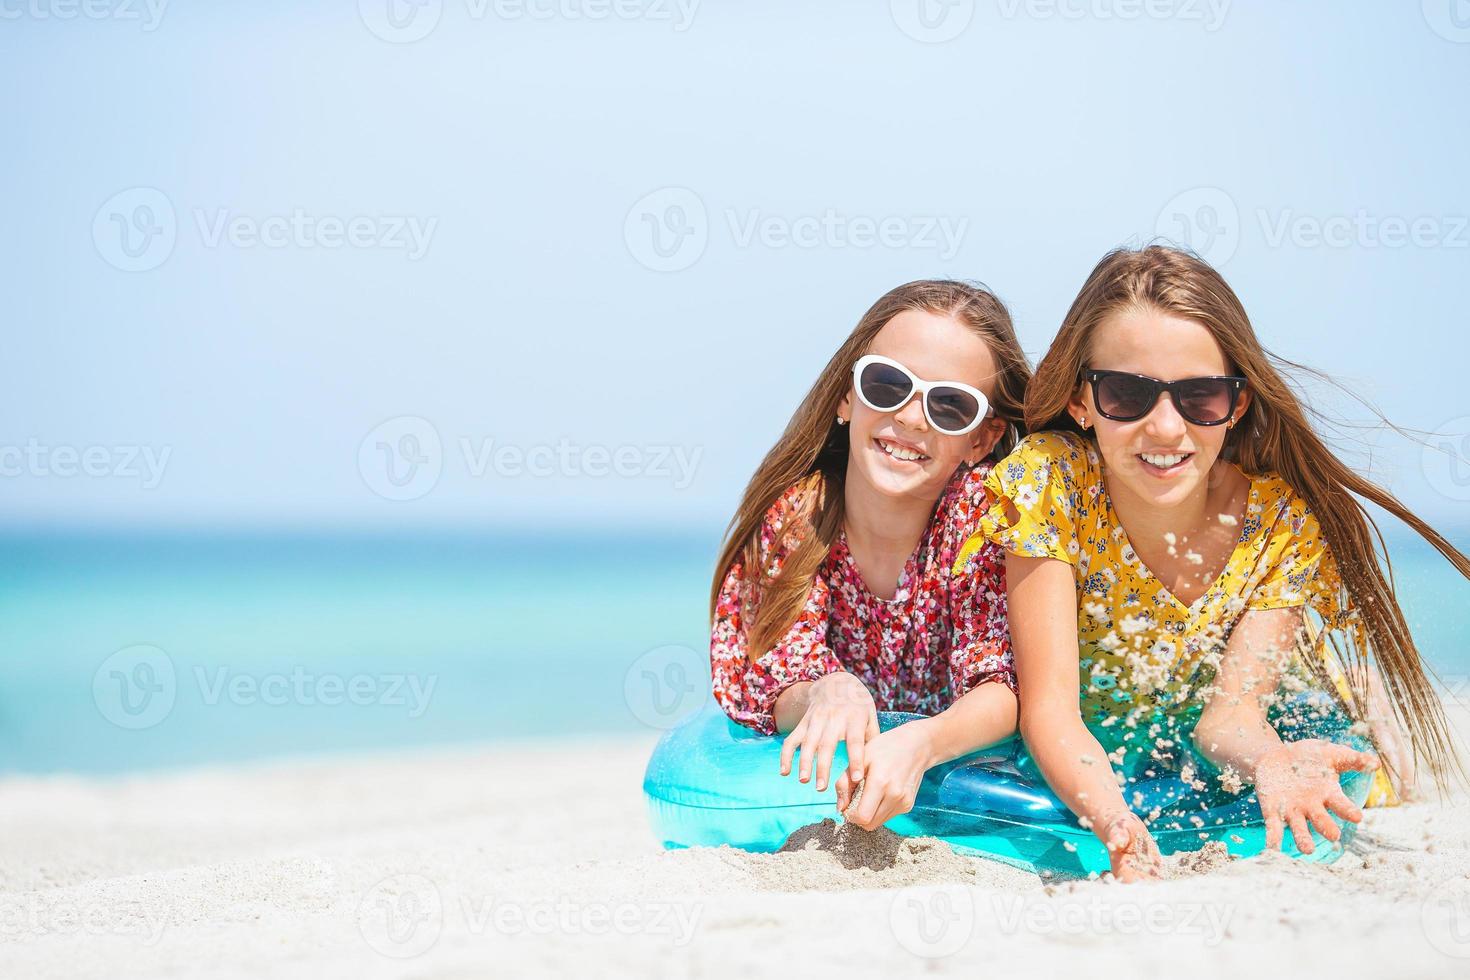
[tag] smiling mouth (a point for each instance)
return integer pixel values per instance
(894, 451)
(1164, 464)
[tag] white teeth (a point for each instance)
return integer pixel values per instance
(898, 452)
(1164, 461)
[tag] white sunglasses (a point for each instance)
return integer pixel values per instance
(885, 385)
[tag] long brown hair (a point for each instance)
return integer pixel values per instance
(1272, 436)
(812, 453)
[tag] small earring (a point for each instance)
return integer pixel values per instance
(841, 420)
(1082, 421)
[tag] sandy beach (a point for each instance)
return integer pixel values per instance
(536, 859)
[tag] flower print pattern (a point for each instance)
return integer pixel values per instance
(942, 634)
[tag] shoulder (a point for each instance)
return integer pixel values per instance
(962, 501)
(1065, 453)
(1275, 509)
(787, 521)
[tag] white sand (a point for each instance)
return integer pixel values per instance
(536, 860)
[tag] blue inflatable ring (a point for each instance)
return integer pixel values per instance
(712, 782)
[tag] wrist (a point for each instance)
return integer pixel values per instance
(927, 733)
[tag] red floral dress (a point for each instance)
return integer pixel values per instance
(944, 631)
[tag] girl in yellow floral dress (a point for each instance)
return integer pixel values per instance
(1166, 525)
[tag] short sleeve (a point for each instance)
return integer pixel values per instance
(980, 641)
(980, 648)
(1033, 500)
(747, 690)
(1297, 567)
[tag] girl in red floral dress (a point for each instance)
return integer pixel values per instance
(834, 596)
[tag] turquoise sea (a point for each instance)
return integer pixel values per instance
(127, 651)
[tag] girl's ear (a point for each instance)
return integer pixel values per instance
(1241, 404)
(1079, 408)
(844, 407)
(986, 436)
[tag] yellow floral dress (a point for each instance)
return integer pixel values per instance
(1143, 652)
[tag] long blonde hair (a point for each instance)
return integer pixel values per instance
(1273, 436)
(813, 451)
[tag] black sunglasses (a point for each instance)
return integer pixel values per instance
(1125, 397)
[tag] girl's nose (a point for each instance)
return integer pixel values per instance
(912, 413)
(1164, 422)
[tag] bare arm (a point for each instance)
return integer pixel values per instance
(1233, 731)
(1043, 604)
(1297, 783)
(1042, 595)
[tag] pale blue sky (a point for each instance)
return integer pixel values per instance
(506, 286)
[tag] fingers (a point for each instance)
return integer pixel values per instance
(1274, 827)
(826, 749)
(1339, 804)
(1343, 759)
(856, 748)
(808, 749)
(868, 809)
(1300, 833)
(844, 791)
(1119, 836)
(1323, 824)
(788, 747)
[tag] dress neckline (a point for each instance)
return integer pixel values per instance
(1193, 609)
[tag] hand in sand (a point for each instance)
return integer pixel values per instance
(1297, 784)
(839, 709)
(1131, 848)
(896, 762)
